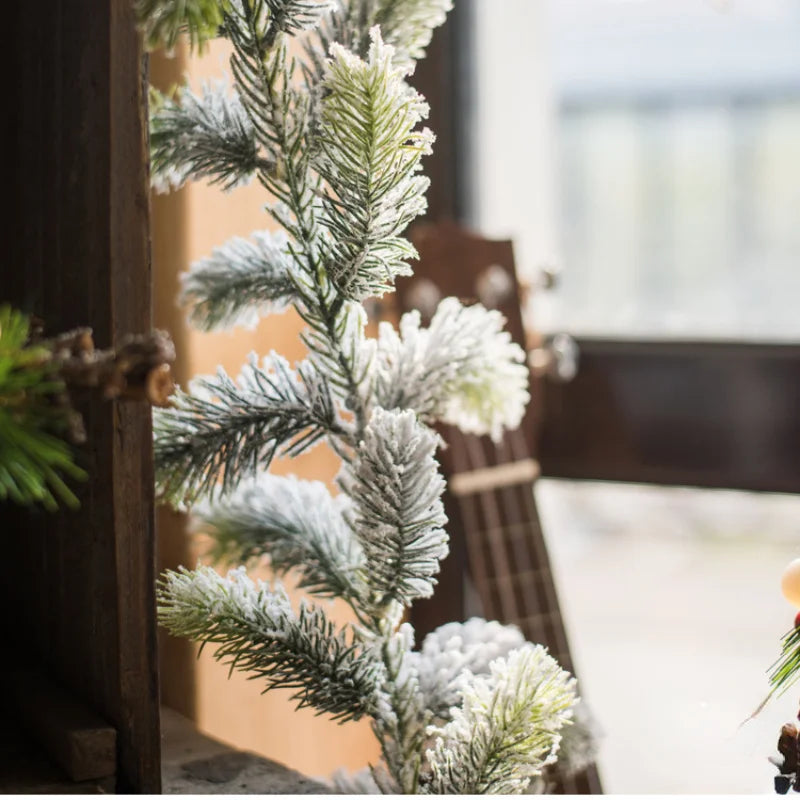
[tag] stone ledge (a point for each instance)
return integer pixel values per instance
(193, 763)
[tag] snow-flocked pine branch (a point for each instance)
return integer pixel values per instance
(454, 653)
(400, 723)
(336, 343)
(298, 524)
(227, 429)
(369, 155)
(239, 282)
(408, 26)
(201, 136)
(263, 76)
(463, 369)
(508, 727)
(398, 516)
(257, 631)
(293, 16)
(282, 119)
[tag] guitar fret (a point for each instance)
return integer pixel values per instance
(522, 577)
(498, 476)
(519, 530)
(487, 501)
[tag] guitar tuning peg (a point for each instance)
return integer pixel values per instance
(424, 295)
(547, 277)
(558, 359)
(551, 275)
(494, 286)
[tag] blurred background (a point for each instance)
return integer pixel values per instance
(649, 152)
(652, 156)
(645, 153)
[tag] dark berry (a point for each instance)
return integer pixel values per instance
(782, 784)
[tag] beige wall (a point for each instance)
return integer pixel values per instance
(186, 226)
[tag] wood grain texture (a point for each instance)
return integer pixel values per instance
(79, 255)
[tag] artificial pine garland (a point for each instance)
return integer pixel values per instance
(334, 138)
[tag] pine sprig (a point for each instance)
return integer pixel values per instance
(398, 516)
(293, 16)
(454, 653)
(463, 369)
(226, 430)
(408, 25)
(241, 281)
(258, 632)
(508, 728)
(34, 457)
(785, 672)
(282, 118)
(201, 136)
(297, 524)
(164, 21)
(261, 73)
(369, 155)
(400, 723)
(264, 77)
(336, 343)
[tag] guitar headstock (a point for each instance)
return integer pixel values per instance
(456, 262)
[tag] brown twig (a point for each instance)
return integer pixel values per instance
(139, 369)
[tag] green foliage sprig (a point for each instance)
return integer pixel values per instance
(164, 21)
(785, 672)
(35, 459)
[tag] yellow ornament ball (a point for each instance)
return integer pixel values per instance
(790, 583)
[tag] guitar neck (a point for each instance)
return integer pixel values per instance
(505, 547)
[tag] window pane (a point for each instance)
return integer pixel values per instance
(673, 607)
(649, 150)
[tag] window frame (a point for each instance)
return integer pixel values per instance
(755, 442)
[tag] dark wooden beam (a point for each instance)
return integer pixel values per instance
(678, 413)
(79, 587)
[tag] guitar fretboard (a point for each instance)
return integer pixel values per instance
(507, 556)
(496, 535)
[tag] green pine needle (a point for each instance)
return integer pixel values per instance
(34, 460)
(163, 21)
(786, 670)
